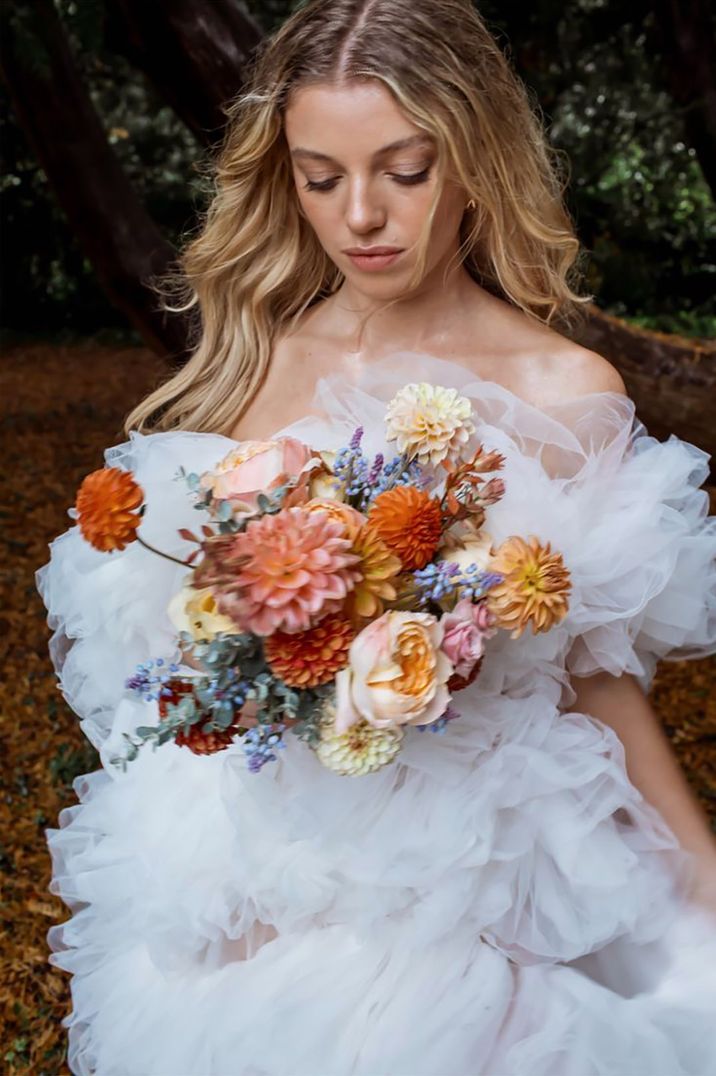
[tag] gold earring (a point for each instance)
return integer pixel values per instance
(472, 204)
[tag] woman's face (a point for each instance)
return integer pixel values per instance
(366, 176)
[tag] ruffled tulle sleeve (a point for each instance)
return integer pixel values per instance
(627, 512)
(107, 611)
(645, 560)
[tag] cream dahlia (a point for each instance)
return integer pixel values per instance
(429, 422)
(292, 569)
(361, 749)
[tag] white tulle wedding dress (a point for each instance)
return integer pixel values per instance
(500, 901)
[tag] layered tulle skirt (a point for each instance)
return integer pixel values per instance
(431, 917)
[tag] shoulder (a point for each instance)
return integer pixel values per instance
(570, 371)
(534, 361)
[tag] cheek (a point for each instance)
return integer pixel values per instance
(447, 218)
(318, 213)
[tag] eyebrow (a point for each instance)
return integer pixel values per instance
(402, 143)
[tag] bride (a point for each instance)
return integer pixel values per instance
(533, 893)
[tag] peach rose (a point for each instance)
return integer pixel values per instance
(464, 632)
(397, 673)
(251, 468)
(350, 518)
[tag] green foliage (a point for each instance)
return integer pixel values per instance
(643, 210)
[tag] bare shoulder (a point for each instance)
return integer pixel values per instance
(533, 360)
(570, 371)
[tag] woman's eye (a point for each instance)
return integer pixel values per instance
(405, 178)
(320, 185)
(412, 177)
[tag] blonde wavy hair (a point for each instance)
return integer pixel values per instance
(256, 265)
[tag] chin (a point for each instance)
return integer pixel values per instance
(381, 286)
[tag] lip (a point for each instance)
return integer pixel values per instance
(373, 258)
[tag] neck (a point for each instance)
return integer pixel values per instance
(420, 319)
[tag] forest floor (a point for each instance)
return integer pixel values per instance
(61, 407)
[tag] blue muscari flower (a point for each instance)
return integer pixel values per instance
(145, 676)
(437, 580)
(439, 726)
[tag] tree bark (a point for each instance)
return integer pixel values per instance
(687, 41)
(672, 379)
(195, 53)
(59, 120)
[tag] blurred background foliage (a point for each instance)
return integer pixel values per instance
(643, 208)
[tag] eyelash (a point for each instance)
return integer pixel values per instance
(405, 180)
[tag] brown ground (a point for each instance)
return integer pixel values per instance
(61, 407)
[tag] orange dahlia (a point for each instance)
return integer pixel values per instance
(106, 508)
(410, 523)
(534, 589)
(309, 658)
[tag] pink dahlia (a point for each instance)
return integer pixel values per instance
(294, 568)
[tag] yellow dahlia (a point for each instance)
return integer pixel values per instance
(361, 749)
(534, 589)
(106, 506)
(430, 423)
(379, 569)
(409, 521)
(308, 658)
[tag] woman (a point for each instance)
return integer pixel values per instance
(533, 893)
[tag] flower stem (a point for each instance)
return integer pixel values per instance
(167, 556)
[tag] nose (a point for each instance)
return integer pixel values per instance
(365, 211)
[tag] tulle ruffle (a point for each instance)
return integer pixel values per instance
(501, 900)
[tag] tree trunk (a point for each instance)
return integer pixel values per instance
(194, 52)
(672, 379)
(687, 41)
(112, 227)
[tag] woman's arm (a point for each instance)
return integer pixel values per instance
(653, 768)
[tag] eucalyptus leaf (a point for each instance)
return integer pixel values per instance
(223, 715)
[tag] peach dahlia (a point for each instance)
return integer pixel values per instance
(291, 569)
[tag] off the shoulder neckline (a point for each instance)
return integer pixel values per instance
(395, 372)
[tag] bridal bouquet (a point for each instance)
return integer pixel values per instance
(341, 597)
